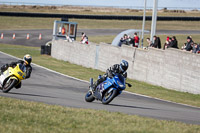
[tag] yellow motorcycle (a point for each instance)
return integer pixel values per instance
(12, 77)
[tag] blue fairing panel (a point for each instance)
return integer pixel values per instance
(107, 84)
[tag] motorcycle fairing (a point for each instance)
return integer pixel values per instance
(102, 87)
(13, 73)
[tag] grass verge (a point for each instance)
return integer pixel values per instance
(11, 23)
(19, 116)
(85, 73)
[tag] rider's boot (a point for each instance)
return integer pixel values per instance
(94, 86)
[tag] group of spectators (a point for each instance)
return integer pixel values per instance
(191, 46)
(169, 43)
(172, 42)
(156, 44)
(131, 41)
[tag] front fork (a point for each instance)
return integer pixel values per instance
(91, 85)
(2, 78)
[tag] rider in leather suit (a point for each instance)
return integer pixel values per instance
(110, 72)
(27, 67)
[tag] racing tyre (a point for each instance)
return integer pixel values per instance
(10, 83)
(89, 97)
(109, 96)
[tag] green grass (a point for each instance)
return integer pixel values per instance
(18, 116)
(85, 74)
(11, 23)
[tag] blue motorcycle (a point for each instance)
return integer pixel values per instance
(107, 90)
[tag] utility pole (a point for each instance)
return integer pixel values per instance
(154, 19)
(143, 23)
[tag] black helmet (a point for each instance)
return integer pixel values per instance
(123, 65)
(27, 58)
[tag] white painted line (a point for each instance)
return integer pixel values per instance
(161, 99)
(88, 82)
(47, 68)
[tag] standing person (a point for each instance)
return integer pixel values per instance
(129, 41)
(84, 38)
(63, 31)
(174, 42)
(136, 39)
(188, 46)
(157, 42)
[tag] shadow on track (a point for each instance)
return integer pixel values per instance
(135, 107)
(27, 94)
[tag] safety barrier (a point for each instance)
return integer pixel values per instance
(105, 17)
(171, 68)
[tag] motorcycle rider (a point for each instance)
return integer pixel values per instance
(110, 72)
(27, 69)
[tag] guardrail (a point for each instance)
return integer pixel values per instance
(105, 17)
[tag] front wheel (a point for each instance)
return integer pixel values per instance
(89, 97)
(10, 83)
(109, 96)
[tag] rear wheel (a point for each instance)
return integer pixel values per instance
(10, 83)
(109, 96)
(89, 97)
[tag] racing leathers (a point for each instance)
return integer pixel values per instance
(27, 69)
(110, 72)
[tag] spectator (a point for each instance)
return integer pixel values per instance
(123, 39)
(174, 42)
(167, 38)
(170, 43)
(63, 31)
(189, 43)
(127, 40)
(136, 40)
(150, 44)
(166, 45)
(84, 39)
(195, 48)
(157, 42)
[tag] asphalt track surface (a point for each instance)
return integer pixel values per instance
(47, 35)
(53, 88)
